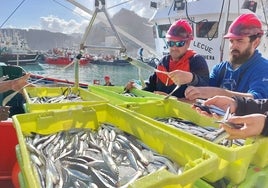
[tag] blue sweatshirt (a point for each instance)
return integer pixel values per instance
(251, 77)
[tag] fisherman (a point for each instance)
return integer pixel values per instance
(245, 74)
(107, 81)
(251, 114)
(183, 65)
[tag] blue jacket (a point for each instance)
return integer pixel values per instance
(250, 77)
(198, 66)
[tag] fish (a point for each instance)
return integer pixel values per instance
(106, 157)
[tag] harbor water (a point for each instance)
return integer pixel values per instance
(119, 75)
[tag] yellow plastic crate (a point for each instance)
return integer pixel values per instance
(87, 97)
(21, 176)
(114, 94)
(194, 158)
(234, 161)
(256, 177)
(260, 158)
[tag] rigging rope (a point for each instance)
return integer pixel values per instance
(205, 20)
(12, 13)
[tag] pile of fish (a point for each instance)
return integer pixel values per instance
(66, 96)
(212, 134)
(107, 157)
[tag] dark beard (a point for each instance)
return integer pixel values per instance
(240, 58)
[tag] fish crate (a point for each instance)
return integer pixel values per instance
(21, 175)
(87, 98)
(193, 158)
(8, 141)
(116, 96)
(233, 161)
(256, 177)
(260, 158)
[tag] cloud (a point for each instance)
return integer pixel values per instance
(55, 24)
(141, 7)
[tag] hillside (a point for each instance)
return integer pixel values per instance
(125, 19)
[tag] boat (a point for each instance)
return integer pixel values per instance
(64, 60)
(15, 51)
(209, 24)
(65, 57)
(109, 60)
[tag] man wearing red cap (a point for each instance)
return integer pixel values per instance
(245, 74)
(183, 65)
(107, 81)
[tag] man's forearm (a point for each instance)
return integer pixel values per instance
(6, 85)
(229, 93)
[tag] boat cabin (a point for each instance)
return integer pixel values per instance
(210, 21)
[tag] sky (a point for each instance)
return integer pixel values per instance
(61, 15)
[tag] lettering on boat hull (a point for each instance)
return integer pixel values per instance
(203, 46)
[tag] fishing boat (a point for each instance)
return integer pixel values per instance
(109, 60)
(64, 60)
(65, 57)
(210, 21)
(15, 51)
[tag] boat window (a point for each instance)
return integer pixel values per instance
(207, 29)
(162, 30)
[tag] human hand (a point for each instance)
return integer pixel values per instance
(4, 112)
(180, 77)
(19, 83)
(219, 105)
(192, 93)
(222, 102)
(252, 126)
(160, 93)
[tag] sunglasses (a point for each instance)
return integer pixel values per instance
(177, 43)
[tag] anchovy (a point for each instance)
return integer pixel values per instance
(107, 157)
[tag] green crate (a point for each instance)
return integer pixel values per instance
(194, 158)
(87, 97)
(234, 161)
(201, 184)
(114, 94)
(260, 158)
(21, 176)
(256, 177)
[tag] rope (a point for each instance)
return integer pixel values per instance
(12, 13)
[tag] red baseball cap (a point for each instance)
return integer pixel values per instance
(106, 77)
(245, 25)
(180, 30)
